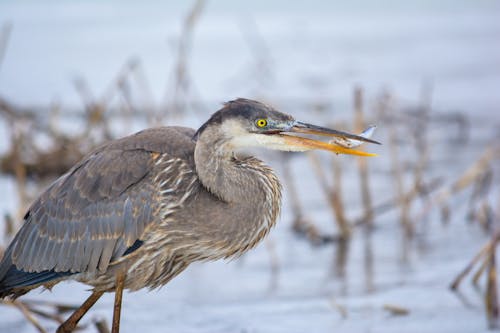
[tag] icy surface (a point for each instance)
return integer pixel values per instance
(316, 50)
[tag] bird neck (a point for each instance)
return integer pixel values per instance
(249, 189)
(229, 177)
(218, 170)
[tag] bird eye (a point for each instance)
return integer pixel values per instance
(261, 123)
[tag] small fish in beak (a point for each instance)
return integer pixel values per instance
(340, 143)
(353, 143)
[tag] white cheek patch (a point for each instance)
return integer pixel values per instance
(241, 138)
(274, 141)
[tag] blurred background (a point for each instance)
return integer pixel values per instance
(402, 242)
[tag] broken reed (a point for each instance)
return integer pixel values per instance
(300, 224)
(486, 258)
(359, 126)
(479, 177)
(393, 119)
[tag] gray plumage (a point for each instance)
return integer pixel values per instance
(137, 211)
(145, 188)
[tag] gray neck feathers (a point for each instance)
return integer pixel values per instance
(250, 188)
(221, 172)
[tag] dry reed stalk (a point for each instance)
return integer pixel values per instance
(469, 177)
(396, 310)
(337, 202)
(340, 308)
(482, 252)
(421, 134)
(115, 86)
(55, 317)
(101, 325)
(182, 81)
(292, 191)
(479, 207)
(397, 176)
(333, 194)
(340, 259)
(319, 171)
(359, 125)
(472, 173)
(148, 102)
(368, 261)
(30, 308)
(300, 225)
(26, 313)
(487, 257)
(121, 87)
(479, 272)
(393, 203)
(65, 150)
(481, 185)
(97, 107)
(95, 117)
(484, 215)
(60, 308)
(491, 297)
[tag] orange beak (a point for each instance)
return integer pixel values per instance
(301, 143)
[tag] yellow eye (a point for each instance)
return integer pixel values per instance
(261, 123)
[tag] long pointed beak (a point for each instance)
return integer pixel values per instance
(308, 144)
(301, 127)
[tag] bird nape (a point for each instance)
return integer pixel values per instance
(136, 211)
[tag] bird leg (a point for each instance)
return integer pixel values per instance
(120, 282)
(70, 324)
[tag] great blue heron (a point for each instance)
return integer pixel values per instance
(137, 211)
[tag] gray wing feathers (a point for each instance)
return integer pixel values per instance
(88, 217)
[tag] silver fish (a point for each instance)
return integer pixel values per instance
(351, 143)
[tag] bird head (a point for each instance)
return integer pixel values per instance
(247, 123)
